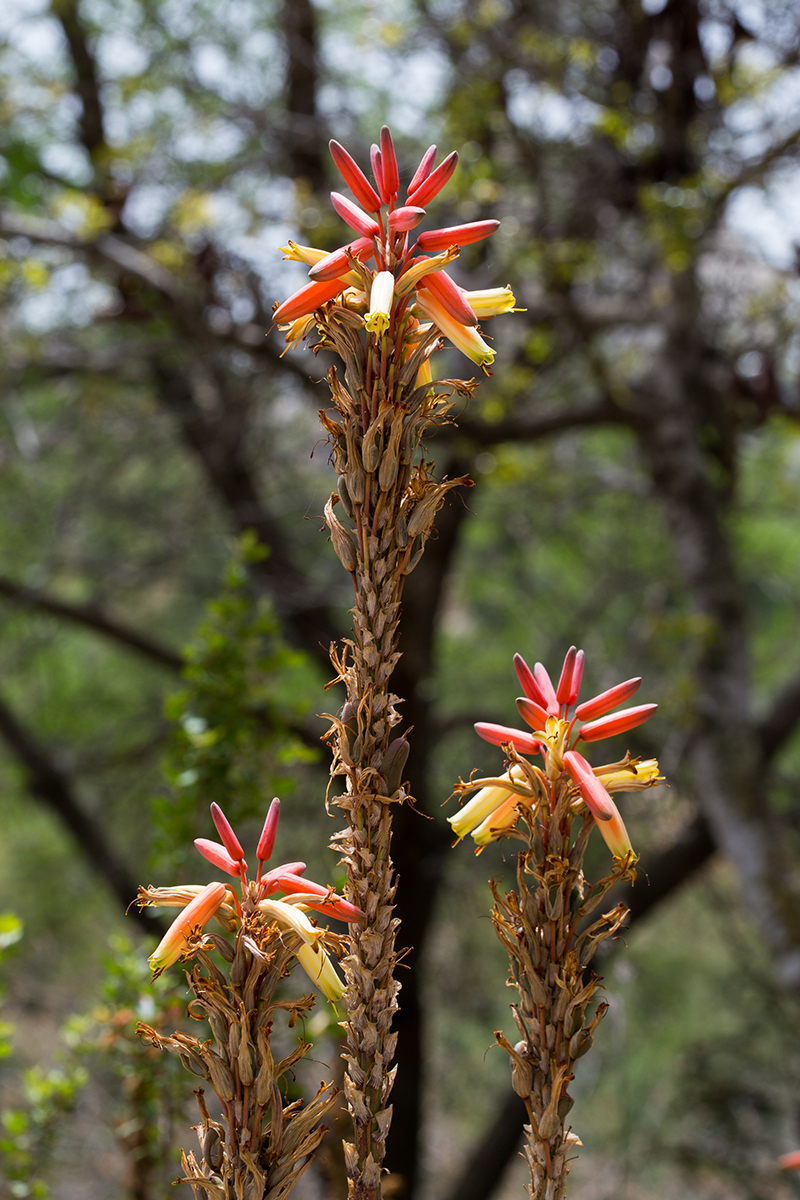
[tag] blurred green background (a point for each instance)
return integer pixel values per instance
(636, 456)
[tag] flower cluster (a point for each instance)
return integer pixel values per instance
(221, 901)
(389, 280)
(556, 726)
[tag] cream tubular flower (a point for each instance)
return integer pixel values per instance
(485, 802)
(291, 917)
(321, 971)
(380, 303)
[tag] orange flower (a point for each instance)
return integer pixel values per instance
(195, 916)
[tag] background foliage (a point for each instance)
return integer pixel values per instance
(637, 462)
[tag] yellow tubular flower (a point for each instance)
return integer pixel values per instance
(304, 254)
(491, 302)
(463, 337)
(410, 278)
(498, 823)
(321, 971)
(631, 779)
(481, 806)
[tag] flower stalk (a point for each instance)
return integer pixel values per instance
(546, 925)
(382, 319)
(263, 1143)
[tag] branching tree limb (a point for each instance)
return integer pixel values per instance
(53, 788)
(92, 617)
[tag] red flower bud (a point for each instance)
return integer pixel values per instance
(522, 742)
(546, 688)
(458, 235)
(607, 727)
(309, 298)
(533, 713)
(449, 295)
(218, 855)
(355, 178)
(391, 177)
(229, 838)
(337, 262)
(423, 170)
(431, 186)
(607, 700)
(355, 217)
(528, 682)
(406, 218)
(267, 840)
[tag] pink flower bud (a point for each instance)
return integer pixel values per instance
(406, 218)
(607, 700)
(355, 217)
(533, 713)
(565, 682)
(218, 855)
(330, 904)
(431, 186)
(229, 838)
(355, 178)
(269, 882)
(449, 295)
(423, 170)
(307, 300)
(377, 171)
(546, 688)
(522, 742)
(391, 177)
(267, 840)
(607, 727)
(528, 682)
(457, 235)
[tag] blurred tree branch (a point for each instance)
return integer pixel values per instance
(94, 618)
(52, 786)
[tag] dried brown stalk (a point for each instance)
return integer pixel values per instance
(389, 502)
(539, 925)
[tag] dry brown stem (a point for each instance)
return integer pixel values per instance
(542, 926)
(389, 499)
